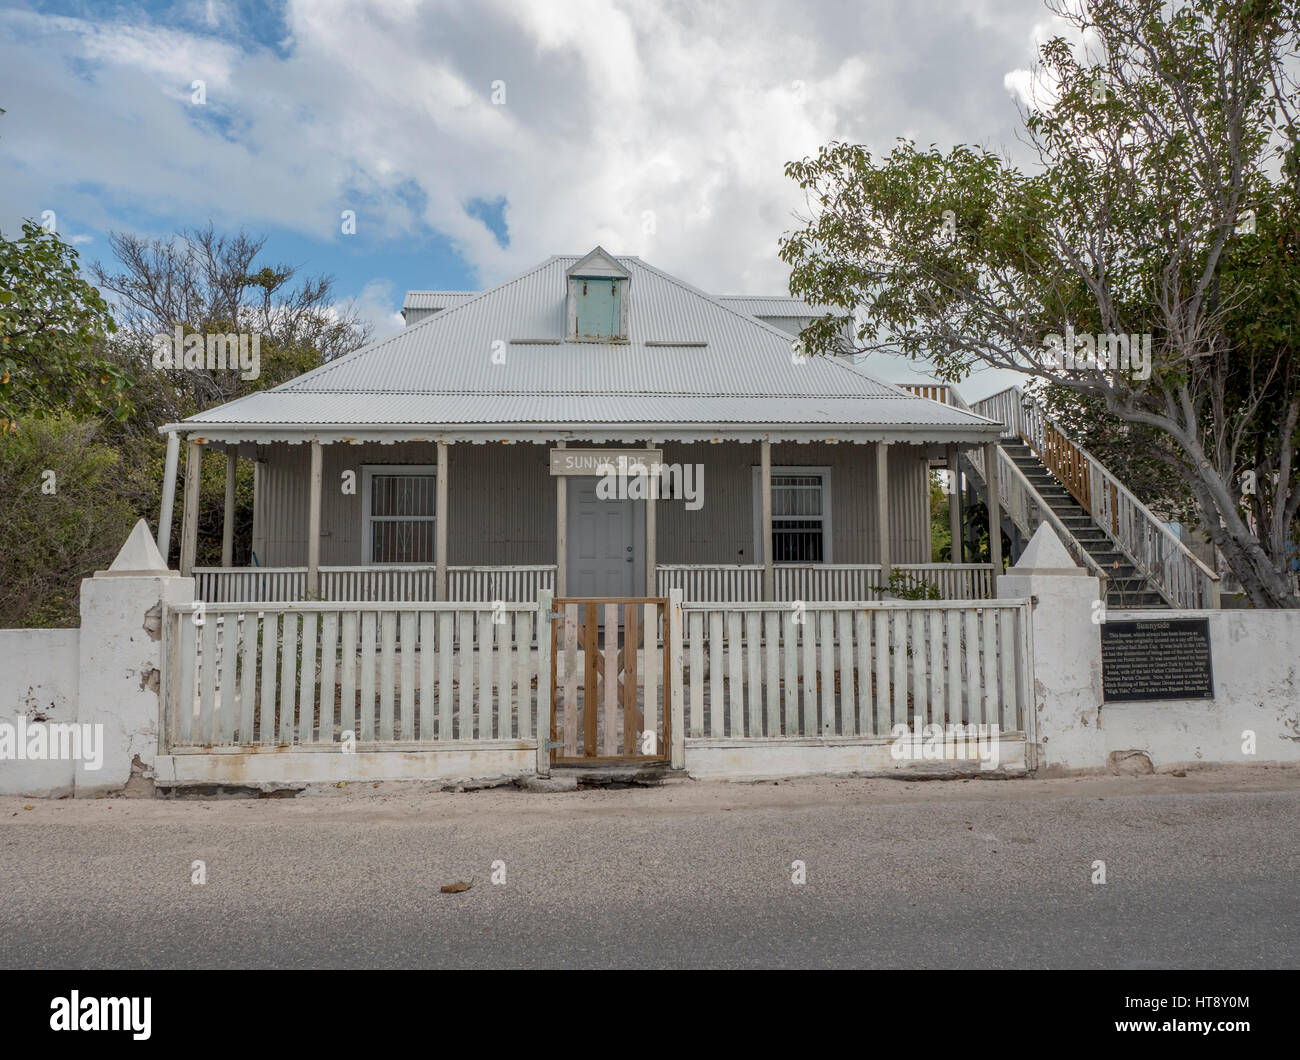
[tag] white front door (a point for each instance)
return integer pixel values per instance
(606, 543)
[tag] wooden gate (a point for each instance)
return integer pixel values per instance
(610, 680)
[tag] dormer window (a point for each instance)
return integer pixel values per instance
(597, 300)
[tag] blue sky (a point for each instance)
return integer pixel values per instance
(473, 140)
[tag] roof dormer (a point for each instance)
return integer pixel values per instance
(597, 299)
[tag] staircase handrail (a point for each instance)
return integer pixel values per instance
(1016, 493)
(1155, 550)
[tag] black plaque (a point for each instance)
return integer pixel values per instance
(1156, 659)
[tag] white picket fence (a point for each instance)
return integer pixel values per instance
(855, 669)
(396, 583)
(396, 676)
(408, 676)
(743, 583)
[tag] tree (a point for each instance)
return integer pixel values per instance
(207, 283)
(67, 512)
(52, 330)
(1164, 206)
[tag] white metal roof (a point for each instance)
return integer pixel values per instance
(495, 364)
(436, 299)
(783, 306)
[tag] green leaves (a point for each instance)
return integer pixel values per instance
(53, 326)
(1155, 136)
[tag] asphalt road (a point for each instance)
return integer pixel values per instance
(1201, 872)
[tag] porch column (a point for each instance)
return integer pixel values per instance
(313, 520)
(954, 507)
(991, 451)
(561, 532)
(164, 539)
(190, 516)
(228, 522)
(765, 486)
(652, 496)
(440, 525)
(882, 509)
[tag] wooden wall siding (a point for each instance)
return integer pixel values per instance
(502, 502)
(770, 670)
(722, 531)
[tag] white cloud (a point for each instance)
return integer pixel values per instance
(616, 112)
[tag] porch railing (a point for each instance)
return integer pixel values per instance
(837, 669)
(743, 583)
(319, 675)
(385, 584)
(1155, 549)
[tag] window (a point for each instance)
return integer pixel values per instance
(801, 515)
(399, 514)
(598, 308)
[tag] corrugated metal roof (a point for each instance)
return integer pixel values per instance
(436, 299)
(433, 409)
(500, 357)
(776, 305)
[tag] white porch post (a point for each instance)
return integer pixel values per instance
(561, 532)
(190, 516)
(765, 486)
(313, 520)
(882, 509)
(440, 525)
(651, 543)
(228, 520)
(164, 538)
(991, 451)
(954, 507)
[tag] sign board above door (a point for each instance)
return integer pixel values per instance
(602, 461)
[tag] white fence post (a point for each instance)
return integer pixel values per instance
(544, 704)
(677, 748)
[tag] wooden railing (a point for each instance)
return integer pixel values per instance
(743, 583)
(939, 392)
(320, 675)
(1154, 549)
(837, 669)
(383, 584)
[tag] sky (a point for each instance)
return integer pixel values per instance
(472, 140)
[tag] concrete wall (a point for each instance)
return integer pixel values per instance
(1255, 659)
(103, 680)
(502, 500)
(41, 678)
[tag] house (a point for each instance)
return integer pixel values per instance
(594, 426)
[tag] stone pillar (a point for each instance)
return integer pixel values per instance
(120, 662)
(1065, 641)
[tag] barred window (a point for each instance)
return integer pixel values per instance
(801, 515)
(400, 515)
(798, 519)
